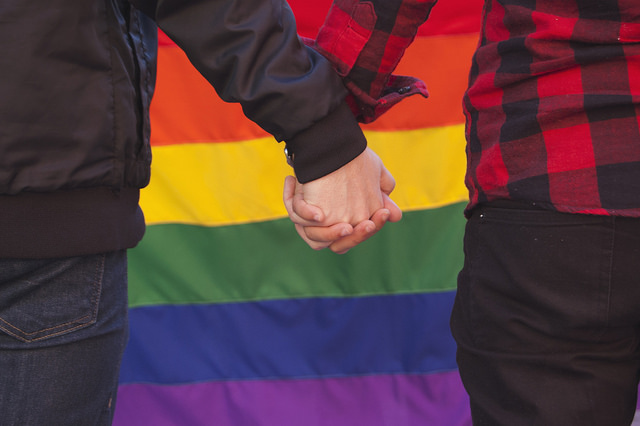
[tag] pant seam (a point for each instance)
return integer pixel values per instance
(610, 270)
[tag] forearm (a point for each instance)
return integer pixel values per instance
(365, 41)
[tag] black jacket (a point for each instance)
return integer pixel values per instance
(77, 80)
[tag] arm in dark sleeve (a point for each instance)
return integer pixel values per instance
(250, 53)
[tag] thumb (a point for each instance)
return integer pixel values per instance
(387, 182)
(300, 212)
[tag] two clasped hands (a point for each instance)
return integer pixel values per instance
(344, 208)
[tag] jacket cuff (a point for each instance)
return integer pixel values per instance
(326, 146)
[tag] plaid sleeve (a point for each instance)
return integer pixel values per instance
(365, 40)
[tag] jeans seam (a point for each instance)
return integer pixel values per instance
(98, 288)
(66, 330)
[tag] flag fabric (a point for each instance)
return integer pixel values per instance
(235, 321)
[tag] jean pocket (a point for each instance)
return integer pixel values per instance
(40, 299)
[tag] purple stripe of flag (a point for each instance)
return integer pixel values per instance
(436, 399)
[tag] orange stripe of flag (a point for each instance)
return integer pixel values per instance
(186, 109)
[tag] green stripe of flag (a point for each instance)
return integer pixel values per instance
(181, 264)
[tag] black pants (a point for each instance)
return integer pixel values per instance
(547, 318)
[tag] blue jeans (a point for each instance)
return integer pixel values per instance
(63, 329)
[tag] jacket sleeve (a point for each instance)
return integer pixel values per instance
(365, 40)
(250, 53)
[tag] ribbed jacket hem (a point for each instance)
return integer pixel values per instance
(69, 223)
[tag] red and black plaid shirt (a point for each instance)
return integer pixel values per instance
(552, 106)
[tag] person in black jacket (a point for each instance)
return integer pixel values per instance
(77, 80)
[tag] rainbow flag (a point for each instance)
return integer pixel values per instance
(236, 322)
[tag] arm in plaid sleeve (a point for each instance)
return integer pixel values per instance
(365, 40)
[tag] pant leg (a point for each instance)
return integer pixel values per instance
(546, 318)
(63, 329)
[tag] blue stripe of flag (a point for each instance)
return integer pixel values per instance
(293, 338)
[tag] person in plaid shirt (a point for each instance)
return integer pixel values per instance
(547, 313)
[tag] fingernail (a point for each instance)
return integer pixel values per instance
(370, 228)
(344, 232)
(317, 217)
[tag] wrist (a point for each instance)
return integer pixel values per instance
(326, 146)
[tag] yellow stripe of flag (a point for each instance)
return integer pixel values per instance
(232, 183)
